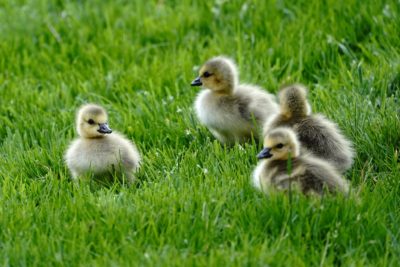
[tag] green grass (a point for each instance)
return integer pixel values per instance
(194, 205)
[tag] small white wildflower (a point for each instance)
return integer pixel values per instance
(220, 2)
(330, 39)
(386, 11)
(58, 256)
(196, 68)
(109, 77)
(243, 10)
(240, 147)
(142, 92)
(204, 170)
(216, 11)
(319, 86)
(187, 132)
(64, 14)
(335, 234)
(178, 110)
(170, 98)
(146, 255)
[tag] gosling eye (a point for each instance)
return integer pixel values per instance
(91, 122)
(279, 145)
(206, 74)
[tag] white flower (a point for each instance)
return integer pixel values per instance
(243, 10)
(216, 11)
(330, 39)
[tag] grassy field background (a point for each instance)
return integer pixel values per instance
(193, 205)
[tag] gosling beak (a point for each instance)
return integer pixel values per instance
(104, 128)
(196, 82)
(264, 154)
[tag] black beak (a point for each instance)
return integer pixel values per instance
(196, 82)
(264, 154)
(104, 128)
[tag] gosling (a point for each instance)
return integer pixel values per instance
(281, 166)
(316, 133)
(231, 111)
(99, 151)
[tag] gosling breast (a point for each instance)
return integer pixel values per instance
(111, 154)
(307, 174)
(235, 117)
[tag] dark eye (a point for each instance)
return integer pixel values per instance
(279, 145)
(90, 121)
(206, 74)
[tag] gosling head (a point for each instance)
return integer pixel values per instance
(279, 144)
(293, 101)
(92, 121)
(219, 74)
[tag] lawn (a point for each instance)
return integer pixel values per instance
(193, 204)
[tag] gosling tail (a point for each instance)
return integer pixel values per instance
(293, 101)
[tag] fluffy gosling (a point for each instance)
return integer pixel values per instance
(98, 150)
(316, 133)
(307, 172)
(231, 111)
